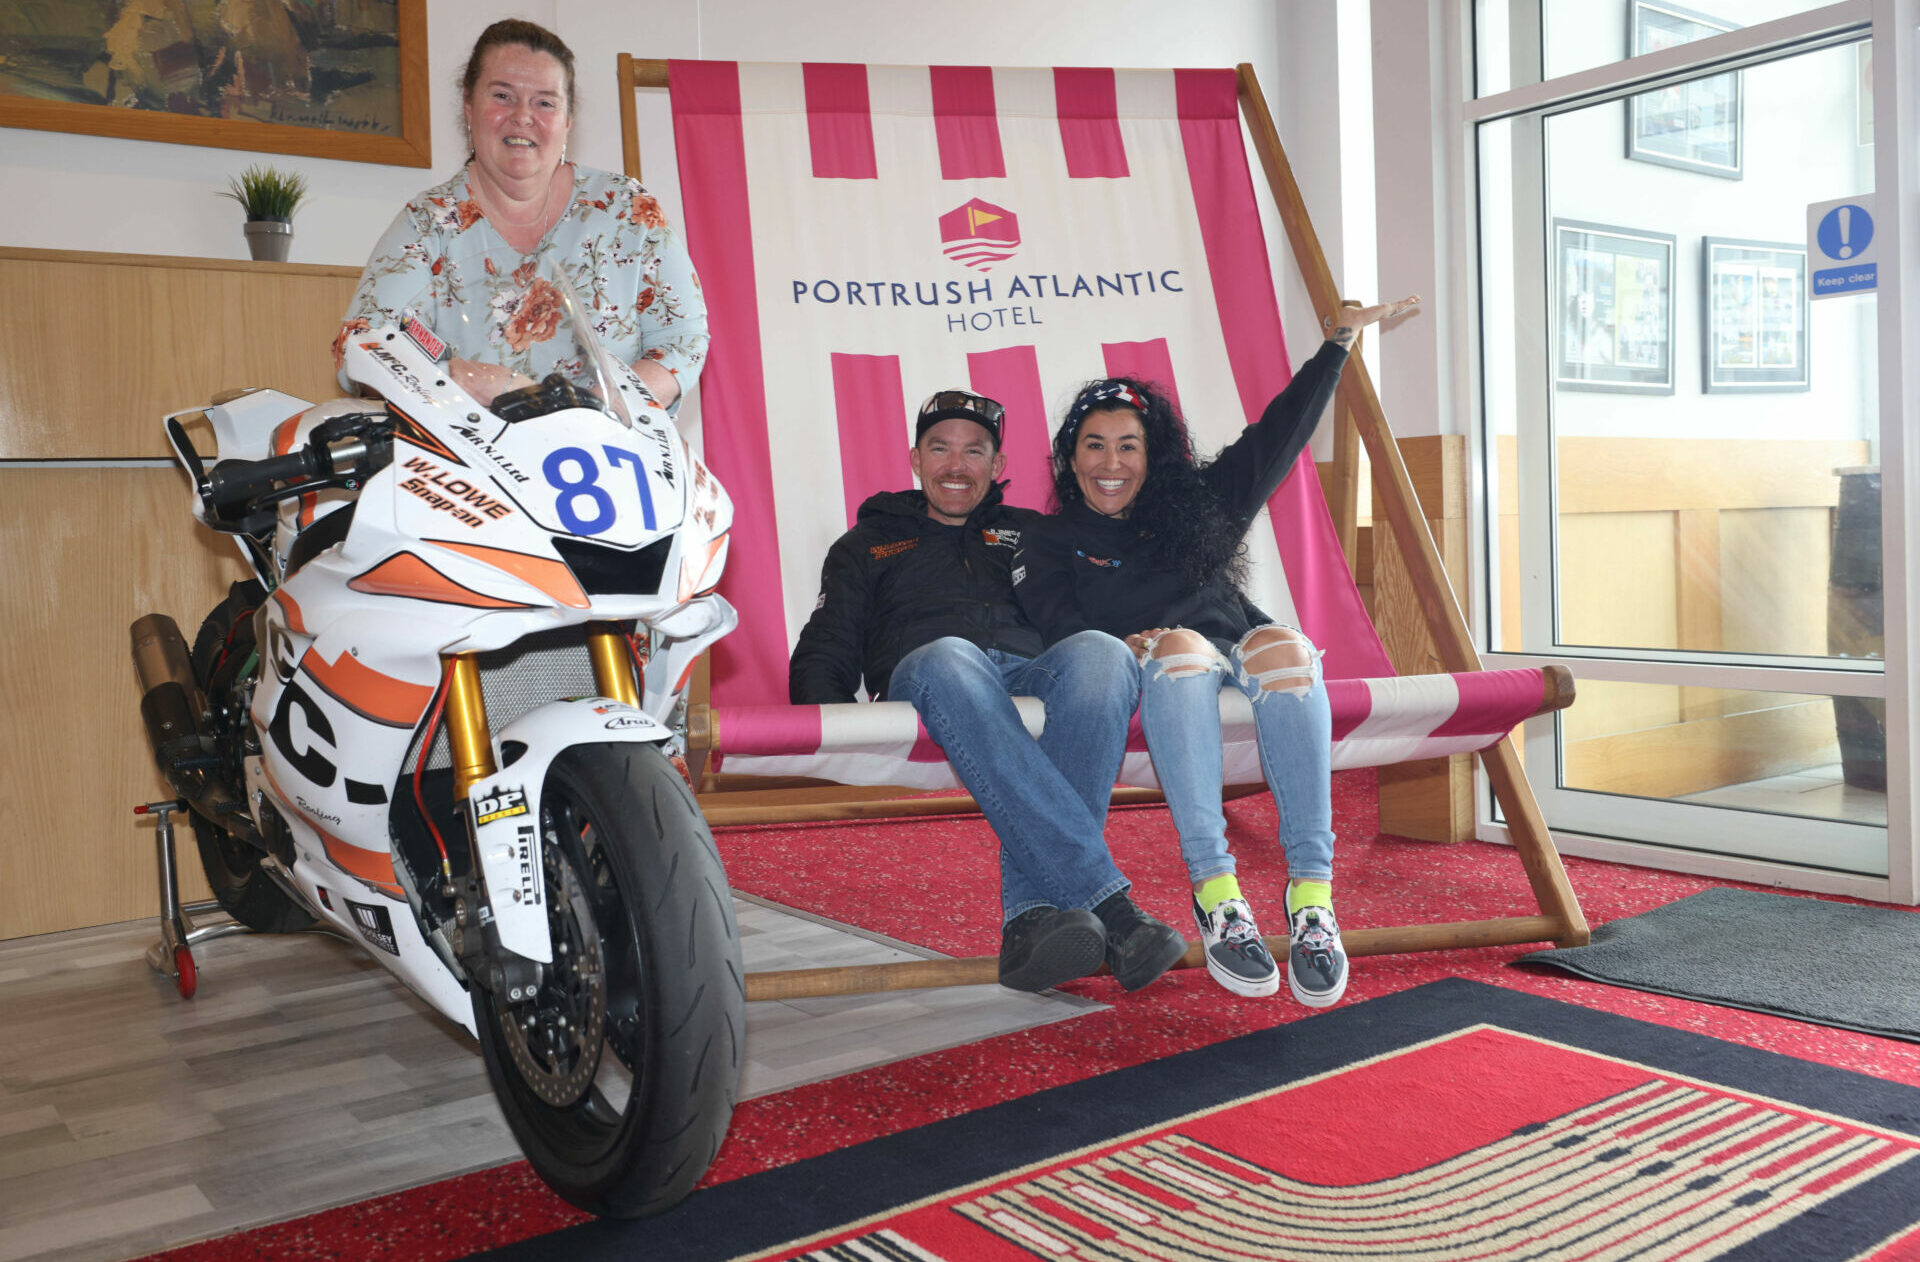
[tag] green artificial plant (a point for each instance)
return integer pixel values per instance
(265, 193)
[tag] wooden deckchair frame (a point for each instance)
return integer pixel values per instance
(1560, 920)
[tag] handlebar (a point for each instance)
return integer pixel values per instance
(233, 482)
(239, 495)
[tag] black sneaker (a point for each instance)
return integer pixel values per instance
(1316, 962)
(1139, 947)
(1045, 946)
(1236, 956)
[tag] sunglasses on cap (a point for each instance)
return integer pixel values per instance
(964, 404)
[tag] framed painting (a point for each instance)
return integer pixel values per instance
(346, 81)
(1695, 125)
(1613, 292)
(1755, 335)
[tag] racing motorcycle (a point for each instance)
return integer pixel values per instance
(443, 719)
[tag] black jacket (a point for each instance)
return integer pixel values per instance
(1082, 570)
(900, 579)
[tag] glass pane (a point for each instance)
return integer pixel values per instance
(1774, 752)
(1714, 431)
(1514, 40)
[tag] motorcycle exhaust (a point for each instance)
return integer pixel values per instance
(170, 706)
(169, 700)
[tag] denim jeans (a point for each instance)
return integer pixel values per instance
(1046, 799)
(1180, 716)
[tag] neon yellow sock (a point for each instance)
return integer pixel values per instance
(1308, 894)
(1216, 890)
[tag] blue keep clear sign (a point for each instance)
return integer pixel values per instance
(1840, 247)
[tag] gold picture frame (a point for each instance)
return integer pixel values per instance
(73, 70)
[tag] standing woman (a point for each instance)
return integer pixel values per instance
(1148, 545)
(459, 254)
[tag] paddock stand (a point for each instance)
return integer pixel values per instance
(173, 954)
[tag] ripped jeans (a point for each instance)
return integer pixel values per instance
(1180, 716)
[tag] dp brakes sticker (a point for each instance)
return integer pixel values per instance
(509, 847)
(500, 804)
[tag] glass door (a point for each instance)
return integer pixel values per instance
(1680, 442)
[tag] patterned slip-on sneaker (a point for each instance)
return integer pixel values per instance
(1236, 956)
(1316, 962)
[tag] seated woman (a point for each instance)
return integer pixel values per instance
(455, 255)
(1148, 545)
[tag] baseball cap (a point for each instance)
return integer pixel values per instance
(947, 404)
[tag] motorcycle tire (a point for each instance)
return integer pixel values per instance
(618, 1075)
(233, 870)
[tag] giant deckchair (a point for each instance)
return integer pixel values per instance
(867, 234)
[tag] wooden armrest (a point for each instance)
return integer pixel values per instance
(1559, 690)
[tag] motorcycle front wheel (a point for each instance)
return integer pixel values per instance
(618, 1074)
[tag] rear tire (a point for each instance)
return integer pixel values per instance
(233, 869)
(618, 1077)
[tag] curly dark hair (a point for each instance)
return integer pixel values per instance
(1180, 521)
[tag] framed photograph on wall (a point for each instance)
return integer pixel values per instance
(1695, 125)
(1613, 299)
(346, 81)
(1755, 315)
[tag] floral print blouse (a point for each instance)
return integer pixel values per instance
(442, 260)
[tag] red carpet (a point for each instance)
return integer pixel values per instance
(1446, 1123)
(936, 885)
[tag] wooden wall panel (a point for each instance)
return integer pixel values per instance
(88, 551)
(1678, 759)
(1776, 563)
(1431, 799)
(95, 348)
(1617, 580)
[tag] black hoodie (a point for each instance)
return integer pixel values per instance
(900, 579)
(1084, 571)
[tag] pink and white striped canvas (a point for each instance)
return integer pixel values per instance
(867, 235)
(1376, 722)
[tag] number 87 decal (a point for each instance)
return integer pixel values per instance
(587, 486)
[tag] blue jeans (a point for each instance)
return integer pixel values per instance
(1046, 799)
(1180, 716)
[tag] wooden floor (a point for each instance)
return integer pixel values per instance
(302, 1076)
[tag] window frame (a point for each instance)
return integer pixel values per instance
(1891, 27)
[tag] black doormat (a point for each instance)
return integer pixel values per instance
(1857, 968)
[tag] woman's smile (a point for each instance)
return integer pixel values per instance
(1110, 460)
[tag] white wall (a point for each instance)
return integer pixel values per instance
(1799, 147)
(1419, 249)
(98, 193)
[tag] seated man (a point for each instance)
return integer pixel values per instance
(918, 599)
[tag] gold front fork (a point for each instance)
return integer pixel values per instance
(612, 663)
(467, 736)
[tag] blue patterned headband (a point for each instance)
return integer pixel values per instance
(1106, 392)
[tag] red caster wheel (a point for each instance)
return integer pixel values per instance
(185, 977)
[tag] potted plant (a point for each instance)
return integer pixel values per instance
(269, 198)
